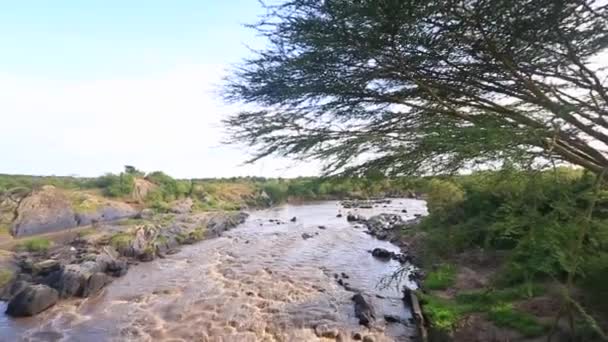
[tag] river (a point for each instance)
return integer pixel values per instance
(262, 281)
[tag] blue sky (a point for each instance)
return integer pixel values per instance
(89, 86)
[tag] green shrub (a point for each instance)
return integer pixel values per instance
(121, 240)
(35, 244)
(440, 278)
(443, 314)
(116, 185)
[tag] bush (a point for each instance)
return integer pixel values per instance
(116, 185)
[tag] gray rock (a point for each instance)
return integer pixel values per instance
(117, 268)
(46, 210)
(363, 310)
(95, 283)
(46, 266)
(32, 300)
(69, 281)
(306, 236)
(382, 253)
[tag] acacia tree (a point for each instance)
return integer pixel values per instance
(426, 85)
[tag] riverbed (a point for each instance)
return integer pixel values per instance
(269, 279)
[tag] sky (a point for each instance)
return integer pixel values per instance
(87, 87)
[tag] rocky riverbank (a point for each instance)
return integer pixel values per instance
(83, 266)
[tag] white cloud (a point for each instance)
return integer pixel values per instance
(169, 121)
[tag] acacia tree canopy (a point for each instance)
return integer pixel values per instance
(426, 85)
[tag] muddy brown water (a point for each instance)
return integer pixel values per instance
(261, 281)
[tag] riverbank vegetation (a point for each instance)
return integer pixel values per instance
(160, 190)
(527, 250)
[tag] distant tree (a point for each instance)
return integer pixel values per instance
(409, 86)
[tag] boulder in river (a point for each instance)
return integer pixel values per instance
(95, 283)
(354, 218)
(382, 253)
(307, 236)
(363, 310)
(32, 300)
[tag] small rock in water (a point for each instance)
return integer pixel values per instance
(293, 219)
(339, 215)
(392, 319)
(363, 310)
(403, 211)
(326, 331)
(382, 253)
(322, 227)
(344, 275)
(306, 236)
(354, 218)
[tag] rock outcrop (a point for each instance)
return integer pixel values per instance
(44, 211)
(50, 209)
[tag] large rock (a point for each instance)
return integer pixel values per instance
(45, 210)
(69, 281)
(95, 283)
(73, 280)
(32, 300)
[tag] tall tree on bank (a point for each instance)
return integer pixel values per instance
(427, 85)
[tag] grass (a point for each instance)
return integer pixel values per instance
(483, 300)
(5, 276)
(503, 315)
(35, 244)
(444, 314)
(441, 278)
(130, 222)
